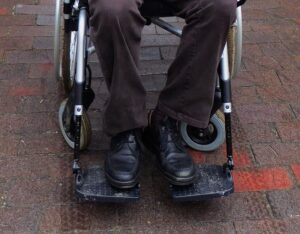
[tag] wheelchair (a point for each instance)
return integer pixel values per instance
(72, 47)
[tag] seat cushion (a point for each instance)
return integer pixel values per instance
(155, 8)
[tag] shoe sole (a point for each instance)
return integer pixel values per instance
(121, 184)
(175, 180)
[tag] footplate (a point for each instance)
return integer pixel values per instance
(92, 186)
(212, 182)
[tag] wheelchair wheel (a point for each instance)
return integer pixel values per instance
(234, 42)
(67, 126)
(65, 47)
(197, 140)
(69, 59)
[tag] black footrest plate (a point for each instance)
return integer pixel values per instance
(94, 187)
(212, 182)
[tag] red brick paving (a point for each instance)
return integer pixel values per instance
(261, 179)
(4, 11)
(296, 170)
(36, 184)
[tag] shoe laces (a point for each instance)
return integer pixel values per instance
(171, 134)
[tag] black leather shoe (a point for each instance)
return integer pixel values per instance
(122, 164)
(163, 139)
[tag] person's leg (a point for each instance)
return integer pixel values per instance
(188, 95)
(189, 91)
(116, 27)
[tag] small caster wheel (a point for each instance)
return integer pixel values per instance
(198, 140)
(67, 126)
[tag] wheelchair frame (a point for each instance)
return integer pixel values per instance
(82, 52)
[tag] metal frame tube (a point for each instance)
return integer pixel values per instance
(239, 38)
(225, 83)
(79, 83)
(57, 62)
(81, 46)
(170, 28)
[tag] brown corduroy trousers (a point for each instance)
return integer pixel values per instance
(116, 27)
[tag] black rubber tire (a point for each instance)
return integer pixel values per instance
(217, 120)
(67, 80)
(86, 130)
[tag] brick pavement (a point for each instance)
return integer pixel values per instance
(36, 186)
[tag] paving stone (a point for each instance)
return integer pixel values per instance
(246, 95)
(28, 123)
(260, 132)
(45, 20)
(18, 87)
(15, 220)
(280, 94)
(154, 67)
(168, 213)
(150, 53)
(9, 145)
(4, 11)
(296, 109)
(160, 40)
(20, 167)
(148, 29)
(11, 3)
(293, 46)
(66, 218)
(289, 76)
(44, 70)
(257, 78)
(285, 13)
(263, 64)
(276, 153)
(151, 100)
(261, 37)
(168, 52)
(252, 50)
(255, 14)
(255, 113)
(276, 226)
(1, 56)
(35, 9)
(43, 43)
(200, 227)
(46, 2)
(276, 50)
(285, 203)
(289, 132)
(261, 179)
(26, 31)
(16, 43)
(296, 170)
(13, 71)
(29, 192)
(50, 143)
(41, 56)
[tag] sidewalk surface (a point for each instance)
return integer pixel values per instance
(36, 183)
